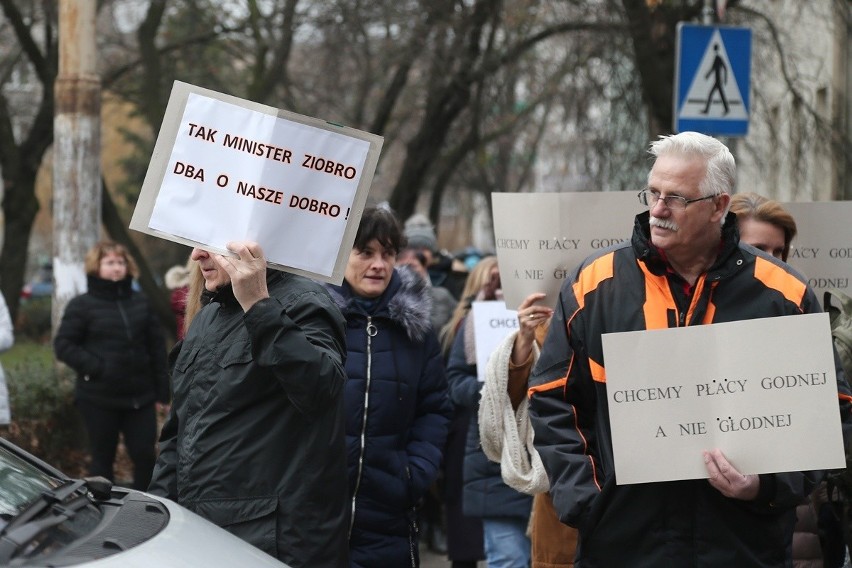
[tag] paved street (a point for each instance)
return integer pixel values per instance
(429, 559)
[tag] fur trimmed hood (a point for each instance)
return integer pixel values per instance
(406, 301)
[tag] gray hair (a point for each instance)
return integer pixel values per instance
(721, 174)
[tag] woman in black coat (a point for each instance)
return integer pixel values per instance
(112, 338)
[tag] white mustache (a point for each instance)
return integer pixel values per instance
(664, 223)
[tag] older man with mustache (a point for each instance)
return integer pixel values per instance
(683, 266)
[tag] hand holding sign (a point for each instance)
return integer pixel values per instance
(725, 477)
(247, 272)
(530, 316)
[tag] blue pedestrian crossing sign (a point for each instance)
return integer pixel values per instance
(712, 74)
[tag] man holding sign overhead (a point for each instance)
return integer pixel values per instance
(254, 441)
(683, 267)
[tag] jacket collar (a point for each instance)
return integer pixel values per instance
(109, 289)
(406, 301)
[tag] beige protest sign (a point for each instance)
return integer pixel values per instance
(541, 237)
(226, 169)
(763, 391)
(822, 249)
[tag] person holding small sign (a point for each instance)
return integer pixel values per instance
(683, 266)
(397, 409)
(504, 511)
(254, 441)
(506, 433)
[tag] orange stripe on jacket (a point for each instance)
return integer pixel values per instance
(552, 385)
(658, 300)
(598, 371)
(779, 279)
(592, 275)
(710, 311)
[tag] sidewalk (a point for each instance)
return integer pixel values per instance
(429, 559)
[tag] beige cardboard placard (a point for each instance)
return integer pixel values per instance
(226, 169)
(763, 391)
(541, 237)
(822, 249)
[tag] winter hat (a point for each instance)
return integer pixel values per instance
(419, 232)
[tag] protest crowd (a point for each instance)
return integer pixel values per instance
(352, 424)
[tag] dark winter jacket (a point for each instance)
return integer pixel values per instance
(112, 338)
(254, 441)
(677, 523)
(485, 494)
(397, 417)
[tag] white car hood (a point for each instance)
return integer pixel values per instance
(187, 541)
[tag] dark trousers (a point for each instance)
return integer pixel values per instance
(139, 427)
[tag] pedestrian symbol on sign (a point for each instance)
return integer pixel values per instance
(720, 72)
(714, 92)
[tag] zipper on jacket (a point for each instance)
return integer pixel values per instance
(412, 539)
(126, 322)
(371, 333)
(135, 402)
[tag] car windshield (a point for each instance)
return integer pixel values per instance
(20, 484)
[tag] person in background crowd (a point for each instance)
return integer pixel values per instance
(764, 224)
(465, 546)
(397, 409)
(112, 338)
(443, 302)
(432, 525)
(817, 535)
(504, 511)
(506, 432)
(7, 339)
(444, 270)
(683, 266)
(254, 441)
(177, 280)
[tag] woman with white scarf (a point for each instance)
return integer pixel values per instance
(507, 436)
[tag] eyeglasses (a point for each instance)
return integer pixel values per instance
(672, 202)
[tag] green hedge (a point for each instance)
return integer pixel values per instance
(44, 419)
(33, 321)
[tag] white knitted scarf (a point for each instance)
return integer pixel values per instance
(506, 435)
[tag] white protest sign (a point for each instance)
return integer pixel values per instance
(541, 237)
(763, 391)
(822, 249)
(492, 323)
(227, 169)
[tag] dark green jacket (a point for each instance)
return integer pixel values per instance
(255, 438)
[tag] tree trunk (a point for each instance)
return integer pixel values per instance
(19, 208)
(76, 154)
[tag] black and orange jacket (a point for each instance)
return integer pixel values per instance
(679, 523)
